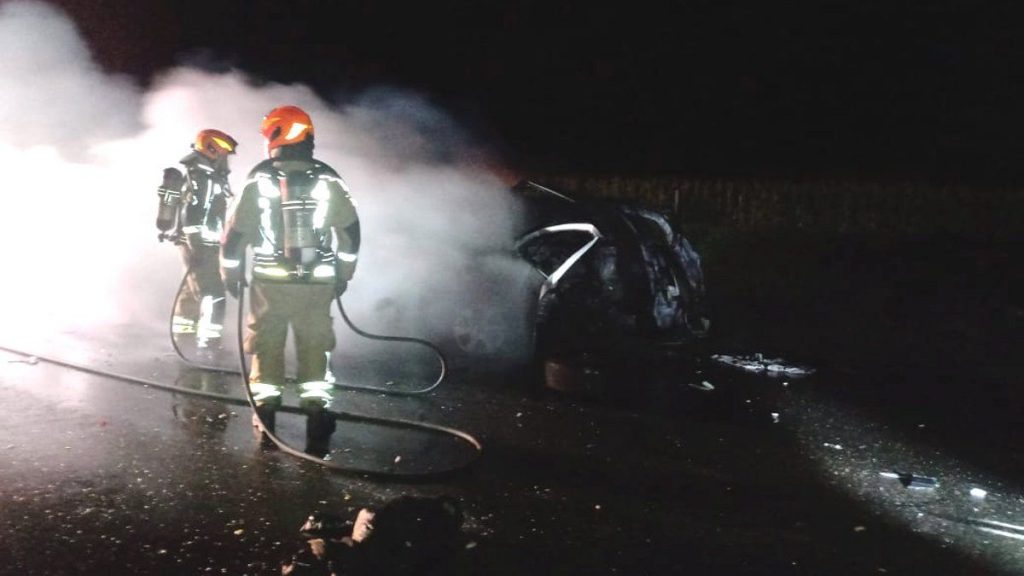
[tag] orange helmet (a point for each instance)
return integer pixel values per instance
(285, 125)
(214, 144)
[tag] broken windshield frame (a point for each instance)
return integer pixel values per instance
(551, 281)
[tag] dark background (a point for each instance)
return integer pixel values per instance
(854, 88)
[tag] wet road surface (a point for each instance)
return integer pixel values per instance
(102, 477)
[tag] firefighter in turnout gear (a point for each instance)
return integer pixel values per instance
(191, 214)
(296, 214)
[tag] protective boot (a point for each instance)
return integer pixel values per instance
(319, 427)
(263, 420)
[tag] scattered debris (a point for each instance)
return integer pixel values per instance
(833, 446)
(758, 363)
(978, 493)
(1000, 528)
(704, 386)
(912, 480)
(403, 534)
(915, 481)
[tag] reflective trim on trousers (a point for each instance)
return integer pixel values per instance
(319, 392)
(210, 331)
(328, 373)
(206, 327)
(261, 391)
(182, 325)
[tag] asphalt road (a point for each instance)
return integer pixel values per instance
(760, 475)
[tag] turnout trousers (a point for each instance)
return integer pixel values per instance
(306, 308)
(200, 307)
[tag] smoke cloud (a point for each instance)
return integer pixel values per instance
(82, 153)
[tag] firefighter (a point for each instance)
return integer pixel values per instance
(296, 214)
(191, 214)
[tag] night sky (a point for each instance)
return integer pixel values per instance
(860, 89)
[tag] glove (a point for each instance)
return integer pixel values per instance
(340, 286)
(232, 278)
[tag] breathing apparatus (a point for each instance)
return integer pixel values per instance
(296, 186)
(169, 193)
(297, 210)
(303, 197)
(300, 237)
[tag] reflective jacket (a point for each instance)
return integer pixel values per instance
(204, 201)
(299, 219)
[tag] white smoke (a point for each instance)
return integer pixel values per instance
(82, 153)
(53, 93)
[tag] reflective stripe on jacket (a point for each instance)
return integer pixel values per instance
(300, 221)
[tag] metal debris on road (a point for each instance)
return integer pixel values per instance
(912, 480)
(758, 363)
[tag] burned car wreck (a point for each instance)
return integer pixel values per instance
(614, 276)
(603, 277)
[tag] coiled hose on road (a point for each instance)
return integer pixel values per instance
(442, 373)
(393, 422)
(371, 474)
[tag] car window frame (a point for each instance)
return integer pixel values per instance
(551, 280)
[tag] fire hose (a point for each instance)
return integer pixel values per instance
(368, 473)
(442, 373)
(393, 422)
(380, 475)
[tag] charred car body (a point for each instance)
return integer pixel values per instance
(614, 275)
(604, 277)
